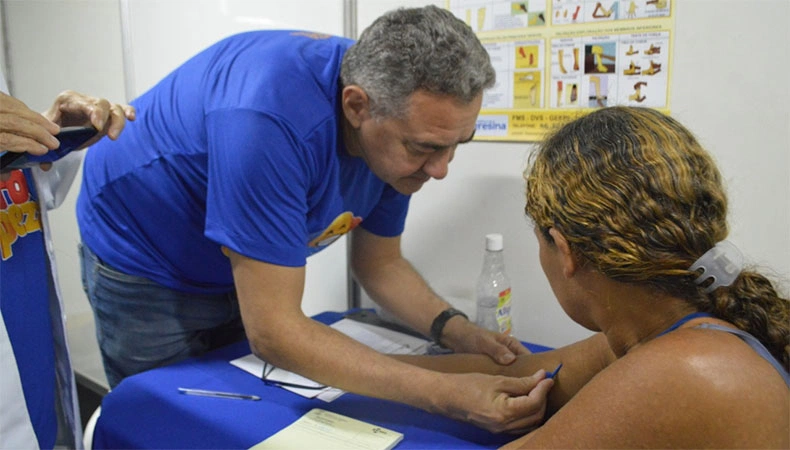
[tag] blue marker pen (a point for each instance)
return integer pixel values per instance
(554, 373)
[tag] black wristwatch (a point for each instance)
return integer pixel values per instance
(441, 320)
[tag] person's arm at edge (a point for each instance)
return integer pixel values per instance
(22, 129)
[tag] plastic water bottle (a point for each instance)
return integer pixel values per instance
(493, 289)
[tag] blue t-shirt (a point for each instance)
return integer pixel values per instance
(25, 301)
(239, 147)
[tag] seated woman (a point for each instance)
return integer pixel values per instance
(626, 206)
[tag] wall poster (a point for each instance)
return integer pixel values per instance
(559, 59)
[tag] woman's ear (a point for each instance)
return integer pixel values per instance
(568, 259)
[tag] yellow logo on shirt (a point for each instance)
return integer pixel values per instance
(18, 214)
(342, 224)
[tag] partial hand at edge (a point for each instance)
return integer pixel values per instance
(24, 130)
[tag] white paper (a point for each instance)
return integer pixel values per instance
(381, 339)
(325, 430)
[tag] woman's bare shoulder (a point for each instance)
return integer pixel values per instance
(690, 388)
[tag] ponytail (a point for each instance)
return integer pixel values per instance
(752, 304)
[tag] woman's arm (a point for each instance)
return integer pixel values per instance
(690, 389)
(581, 361)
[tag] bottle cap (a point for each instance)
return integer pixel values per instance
(494, 242)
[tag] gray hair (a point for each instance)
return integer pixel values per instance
(411, 49)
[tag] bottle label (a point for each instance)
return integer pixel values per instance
(503, 312)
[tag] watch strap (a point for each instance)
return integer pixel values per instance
(441, 320)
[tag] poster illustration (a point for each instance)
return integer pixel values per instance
(559, 59)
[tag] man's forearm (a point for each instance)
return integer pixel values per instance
(327, 356)
(398, 288)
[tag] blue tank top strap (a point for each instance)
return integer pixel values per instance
(753, 343)
(746, 337)
(685, 319)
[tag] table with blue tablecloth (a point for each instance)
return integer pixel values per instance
(147, 411)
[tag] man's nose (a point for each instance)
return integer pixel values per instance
(437, 166)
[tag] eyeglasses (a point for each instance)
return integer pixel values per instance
(268, 369)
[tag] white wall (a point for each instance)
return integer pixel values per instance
(730, 63)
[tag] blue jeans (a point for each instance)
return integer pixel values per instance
(141, 324)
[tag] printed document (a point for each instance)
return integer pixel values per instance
(320, 429)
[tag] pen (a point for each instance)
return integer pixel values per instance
(217, 394)
(554, 373)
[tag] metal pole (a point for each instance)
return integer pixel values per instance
(350, 19)
(5, 70)
(350, 31)
(126, 42)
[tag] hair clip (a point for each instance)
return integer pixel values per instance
(723, 263)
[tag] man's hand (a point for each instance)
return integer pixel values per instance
(464, 336)
(497, 403)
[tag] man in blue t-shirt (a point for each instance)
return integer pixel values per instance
(260, 151)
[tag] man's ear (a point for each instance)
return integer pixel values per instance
(569, 263)
(356, 105)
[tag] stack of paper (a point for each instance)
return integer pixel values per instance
(320, 429)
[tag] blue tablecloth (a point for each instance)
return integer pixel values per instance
(147, 410)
